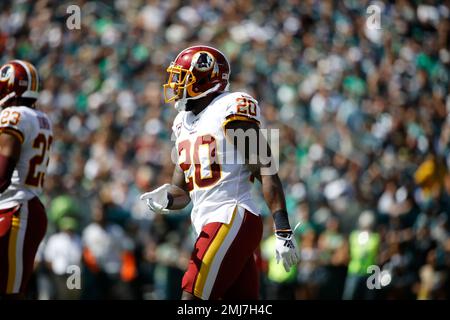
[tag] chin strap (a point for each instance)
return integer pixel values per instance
(180, 105)
(7, 97)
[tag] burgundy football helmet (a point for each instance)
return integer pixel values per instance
(196, 72)
(18, 79)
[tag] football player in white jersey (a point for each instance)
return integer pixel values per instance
(25, 140)
(217, 179)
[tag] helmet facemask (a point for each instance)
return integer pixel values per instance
(179, 80)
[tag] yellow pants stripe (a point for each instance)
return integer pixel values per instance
(208, 258)
(12, 254)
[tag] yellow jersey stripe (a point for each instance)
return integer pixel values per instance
(235, 117)
(14, 132)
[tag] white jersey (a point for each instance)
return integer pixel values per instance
(216, 187)
(33, 129)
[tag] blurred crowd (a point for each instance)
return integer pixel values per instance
(364, 145)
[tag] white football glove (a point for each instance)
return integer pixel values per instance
(286, 250)
(157, 200)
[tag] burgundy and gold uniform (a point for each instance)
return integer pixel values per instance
(23, 218)
(224, 215)
(214, 164)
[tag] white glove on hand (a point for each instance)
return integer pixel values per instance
(286, 250)
(157, 200)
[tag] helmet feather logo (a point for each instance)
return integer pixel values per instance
(204, 61)
(7, 73)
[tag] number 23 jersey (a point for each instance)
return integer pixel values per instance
(216, 180)
(33, 129)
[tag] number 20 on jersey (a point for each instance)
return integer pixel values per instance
(184, 152)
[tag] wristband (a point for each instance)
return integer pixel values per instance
(281, 221)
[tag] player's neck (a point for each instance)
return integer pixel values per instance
(202, 103)
(18, 103)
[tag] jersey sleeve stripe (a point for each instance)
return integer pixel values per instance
(14, 132)
(234, 117)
